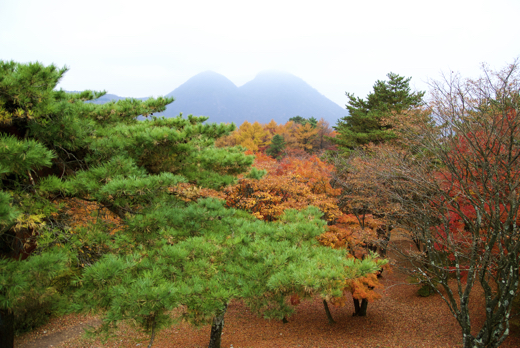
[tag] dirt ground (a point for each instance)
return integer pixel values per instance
(400, 319)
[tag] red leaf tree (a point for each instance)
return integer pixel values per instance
(460, 189)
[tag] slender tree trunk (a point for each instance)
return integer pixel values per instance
(383, 235)
(327, 311)
(6, 329)
(360, 310)
(216, 329)
(153, 335)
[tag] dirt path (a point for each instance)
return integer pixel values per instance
(54, 339)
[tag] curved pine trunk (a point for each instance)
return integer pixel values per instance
(327, 311)
(216, 329)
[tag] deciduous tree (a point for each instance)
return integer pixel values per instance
(461, 193)
(292, 183)
(321, 141)
(252, 136)
(305, 136)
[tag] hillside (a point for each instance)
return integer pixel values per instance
(270, 95)
(111, 97)
(207, 94)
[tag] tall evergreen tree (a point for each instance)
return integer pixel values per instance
(277, 146)
(313, 121)
(168, 253)
(364, 123)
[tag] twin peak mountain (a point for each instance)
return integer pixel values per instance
(270, 95)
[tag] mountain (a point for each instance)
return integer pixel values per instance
(106, 98)
(207, 94)
(280, 96)
(270, 95)
(110, 97)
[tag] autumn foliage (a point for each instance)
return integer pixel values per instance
(469, 225)
(307, 138)
(296, 183)
(347, 233)
(290, 184)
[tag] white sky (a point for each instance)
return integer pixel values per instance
(148, 48)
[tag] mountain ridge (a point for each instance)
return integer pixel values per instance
(271, 95)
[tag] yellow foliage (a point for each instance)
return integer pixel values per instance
(251, 136)
(31, 222)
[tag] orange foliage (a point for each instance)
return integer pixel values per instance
(190, 193)
(363, 288)
(290, 184)
(305, 136)
(83, 213)
(299, 139)
(347, 233)
(81, 216)
(252, 136)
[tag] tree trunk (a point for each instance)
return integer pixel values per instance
(360, 310)
(327, 311)
(216, 329)
(471, 342)
(383, 245)
(6, 329)
(153, 334)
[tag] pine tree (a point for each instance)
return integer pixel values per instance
(166, 253)
(299, 120)
(54, 146)
(303, 121)
(364, 124)
(277, 146)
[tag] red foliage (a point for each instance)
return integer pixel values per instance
(480, 173)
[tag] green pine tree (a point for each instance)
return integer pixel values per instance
(298, 119)
(363, 125)
(313, 121)
(277, 146)
(303, 121)
(170, 253)
(54, 145)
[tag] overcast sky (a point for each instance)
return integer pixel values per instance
(148, 48)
